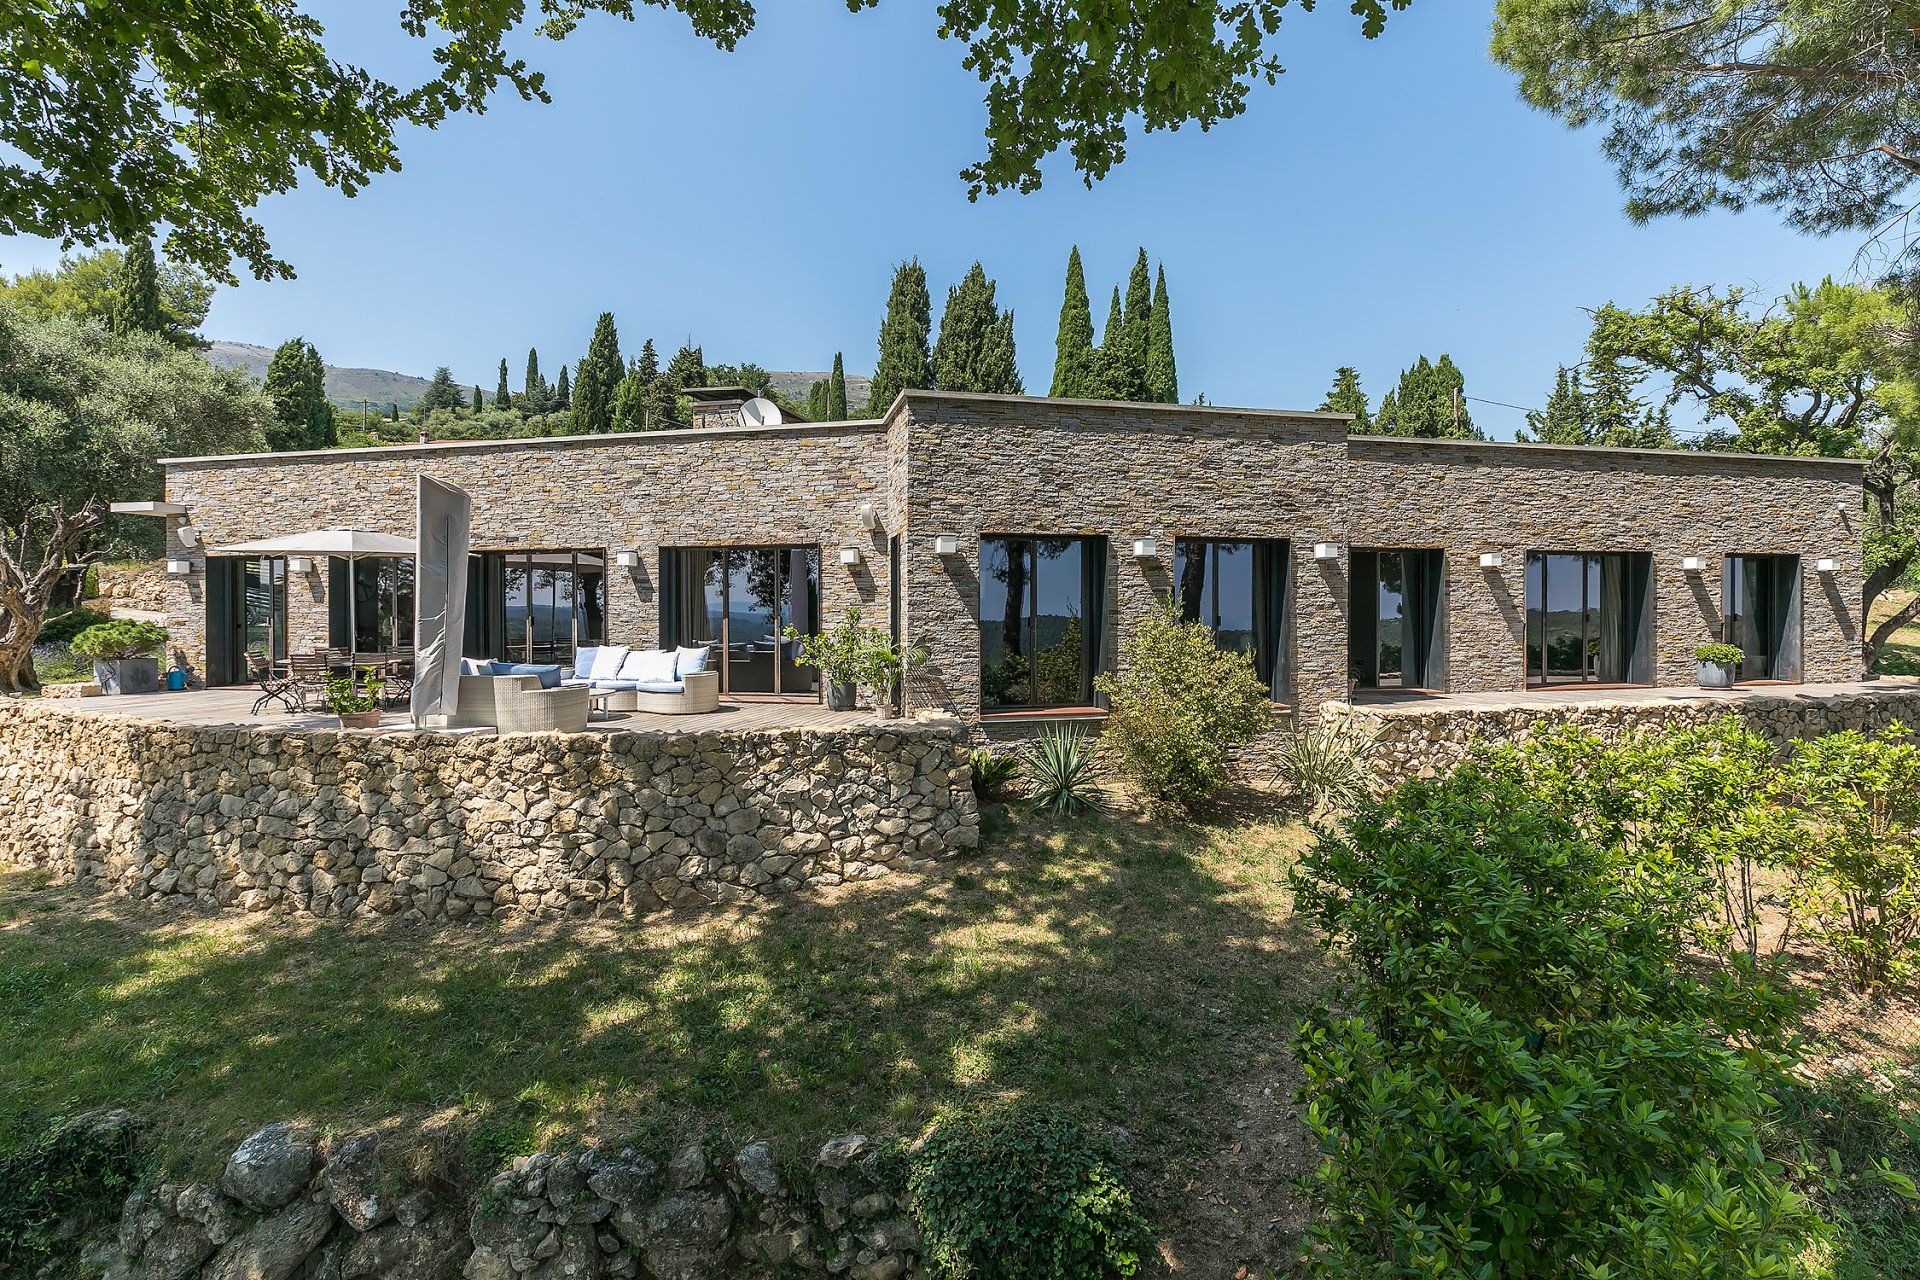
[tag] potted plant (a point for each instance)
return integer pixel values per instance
(887, 665)
(357, 705)
(125, 654)
(843, 656)
(1715, 664)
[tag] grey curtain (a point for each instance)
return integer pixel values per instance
(1093, 596)
(1269, 616)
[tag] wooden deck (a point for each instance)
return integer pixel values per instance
(233, 708)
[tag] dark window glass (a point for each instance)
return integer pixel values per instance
(264, 617)
(382, 614)
(1039, 620)
(1394, 617)
(740, 602)
(1762, 595)
(1238, 591)
(544, 604)
(1588, 619)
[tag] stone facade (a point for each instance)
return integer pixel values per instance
(971, 466)
(432, 826)
(292, 1204)
(131, 590)
(1415, 741)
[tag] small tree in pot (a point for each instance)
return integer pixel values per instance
(125, 654)
(358, 706)
(889, 665)
(843, 656)
(1715, 663)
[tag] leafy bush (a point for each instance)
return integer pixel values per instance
(1180, 709)
(80, 1168)
(120, 640)
(1063, 768)
(1023, 1193)
(61, 628)
(1724, 654)
(1859, 837)
(1521, 1077)
(345, 697)
(993, 772)
(1326, 766)
(1852, 1140)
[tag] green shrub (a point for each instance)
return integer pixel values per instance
(993, 772)
(90, 583)
(1023, 1193)
(1852, 1140)
(1724, 654)
(1326, 765)
(1180, 709)
(1063, 768)
(83, 1168)
(61, 628)
(1521, 1077)
(119, 640)
(1859, 839)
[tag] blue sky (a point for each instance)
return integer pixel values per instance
(1386, 198)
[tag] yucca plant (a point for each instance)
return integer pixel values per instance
(1063, 770)
(993, 772)
(1326, 767)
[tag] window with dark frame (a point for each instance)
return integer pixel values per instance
(1589, 617)
(1237, 588)
(1042, 609)
(1761, 596)
(1396, 618)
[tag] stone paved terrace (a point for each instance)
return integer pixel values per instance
(233, 708)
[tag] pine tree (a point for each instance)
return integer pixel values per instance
(1075, 363)
(1163, 377)
(296, 386)
(904, 360)
(1430, 401)
(1567, 419)
(562, 393)
(1110, 361)
(502, 397)
(595, 378)
(1619, 417)
(628, 407)
(535, 395)
(136, 298)
(975, 349)
(440, 393)
(1346, 396)
(817, 401)
(837, 391)
(1135, 325)
(688, 368)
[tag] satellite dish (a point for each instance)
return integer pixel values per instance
(760, 412)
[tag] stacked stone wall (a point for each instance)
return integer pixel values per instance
(433, 826)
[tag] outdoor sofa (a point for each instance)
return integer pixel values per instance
(518, 698)
(664, 681)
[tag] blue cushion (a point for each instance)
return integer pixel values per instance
(575, 682)
(687, 661)
(549, 672)
(614, 684)
(661, 686)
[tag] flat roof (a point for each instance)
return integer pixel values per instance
(1588, 450)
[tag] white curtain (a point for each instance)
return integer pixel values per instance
(445, 527)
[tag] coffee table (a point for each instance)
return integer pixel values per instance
(600, 700)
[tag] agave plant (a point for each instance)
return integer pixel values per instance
(1063, 770)
(1327, 767)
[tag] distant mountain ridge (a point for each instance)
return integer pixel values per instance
(378, 388)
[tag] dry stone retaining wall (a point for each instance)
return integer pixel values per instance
(440, 826)
(1417, 742)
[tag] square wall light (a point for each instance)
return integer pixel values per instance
(179, 568)
(1145, 548)
(1491, 560)
(1326, 551)
(849, 555)
(1827, 564)
(626, 559)
(301, 565)
(1693, 564)
(946, 544)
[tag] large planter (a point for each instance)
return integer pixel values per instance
(842, 697)
(1714, 675)
(128, 675)
(359, 719)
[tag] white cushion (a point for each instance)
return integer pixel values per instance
(688, 661)
(606, 661)
(661, 686)
(475, 667)
(648, 665)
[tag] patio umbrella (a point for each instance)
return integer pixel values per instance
(347, 544)
(444, 523)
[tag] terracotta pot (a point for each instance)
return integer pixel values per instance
(359, 719)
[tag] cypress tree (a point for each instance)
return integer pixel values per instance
(904, 359)
(648, 365)
(1424, 404)
(1347, 396)
(295, 385)
(627, 408)
(1075, 367)
(136, 297)
(595, 378)
(1163, 378)
(837, 391)
(562, 393)
(393, 411)
(1110, 361)
(1135, 325)
(479, 401)
(975, 349)
(535, 395)
(502, 397)
(817, 401)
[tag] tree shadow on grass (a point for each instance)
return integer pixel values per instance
(1131, 971)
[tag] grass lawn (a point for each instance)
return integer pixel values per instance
(1904, 648)
(1146, 975)
(53, 664)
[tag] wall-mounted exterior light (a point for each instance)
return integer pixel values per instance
(1145, 549)
(1827, 564)
(189, 536)
(1326, 551)
(1693, 564)
(301, 565)
(869, 518)
(946, 544)
(179, 568)
(626, 559)
(849, 555)
(1491, 560)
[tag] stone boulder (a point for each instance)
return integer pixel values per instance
(271, 1168)
(356, 1183)
(273, 1248)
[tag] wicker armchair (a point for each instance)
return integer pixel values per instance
(520, 705)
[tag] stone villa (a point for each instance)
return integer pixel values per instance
(1022, 540)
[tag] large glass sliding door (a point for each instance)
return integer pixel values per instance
(1238, 590)
(1395, 625)
(1762, 595)
(1041, 614)
(739, 601)
(246, 616)
(538, 606)
(1589, 618)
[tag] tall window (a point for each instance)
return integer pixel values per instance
(264, 618)
(1589, 618)
(535, 606)
(1762, 595)
(1239, 591)
(370, 603)
(1042, 605)
(1395, 622)
(740, 602)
